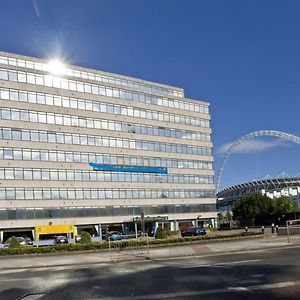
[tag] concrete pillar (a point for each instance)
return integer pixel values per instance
(100, 232)
(172, 226)
(33, 234)
(136, 230)
(1, 236)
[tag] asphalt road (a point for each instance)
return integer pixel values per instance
(260, 274)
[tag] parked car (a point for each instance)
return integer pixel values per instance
(78, 238)
(193, 231)
(28, 240)
(22, 241)
(60, 239)
(114, 236)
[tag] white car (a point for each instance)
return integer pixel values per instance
(22, 241)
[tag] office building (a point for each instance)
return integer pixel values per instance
(94, 149)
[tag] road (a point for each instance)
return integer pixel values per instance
(259, 274)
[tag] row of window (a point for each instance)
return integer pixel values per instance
(86, 157)
(96, 106)
(76, 121)
(91, 140)
(84, 87)
(74, 212)
(92, 76)
(57, 193)
(79, 175)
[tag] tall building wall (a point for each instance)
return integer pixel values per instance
(57, 122)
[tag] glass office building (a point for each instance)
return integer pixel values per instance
(93, 148)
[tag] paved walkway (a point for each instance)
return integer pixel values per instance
(210, 247)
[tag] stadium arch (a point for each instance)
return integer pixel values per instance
(283, 135)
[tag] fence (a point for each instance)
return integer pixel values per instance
(129, 246)
(293, 230)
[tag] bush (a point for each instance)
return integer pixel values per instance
(85, 237)
(123, 244)
(160, 233)
(14, 243)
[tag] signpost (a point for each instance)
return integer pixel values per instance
(53, 229)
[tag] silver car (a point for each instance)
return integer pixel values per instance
(22, 241)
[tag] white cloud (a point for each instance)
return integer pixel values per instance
(253, 146)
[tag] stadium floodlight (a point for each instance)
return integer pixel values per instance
(56, 67)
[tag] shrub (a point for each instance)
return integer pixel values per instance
(160, 233)
(85, 237)
(123, 244)
(14, 243)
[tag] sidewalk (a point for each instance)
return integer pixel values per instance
(207, 248)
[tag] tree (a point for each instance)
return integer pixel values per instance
(14, 243)
(220, 216)
(160, 233)
(252, 206)
(228, 216)
(284, 205)
(85, 237)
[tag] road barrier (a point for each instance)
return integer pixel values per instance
(129, 246)
(293, 230)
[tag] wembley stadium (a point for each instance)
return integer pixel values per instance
(273, 188)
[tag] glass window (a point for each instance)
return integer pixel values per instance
(21, 77)
(12, 75)
(3, 74)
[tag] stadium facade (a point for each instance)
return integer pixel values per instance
(273, 188)
(92, 148)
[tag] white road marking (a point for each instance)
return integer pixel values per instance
(31, 297)
(238, 262)
(208, 292)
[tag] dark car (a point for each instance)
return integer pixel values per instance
(193, 231)
(60, 239)
(114, 236)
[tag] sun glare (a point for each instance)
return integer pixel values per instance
(56, 67)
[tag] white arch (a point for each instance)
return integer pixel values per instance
(279, 134)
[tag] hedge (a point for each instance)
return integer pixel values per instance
(65, 248)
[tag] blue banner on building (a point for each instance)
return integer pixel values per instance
(122, 168)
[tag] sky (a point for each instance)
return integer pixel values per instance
(242, 56)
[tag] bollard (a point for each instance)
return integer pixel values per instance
(277, 229)
(263, 229)
(273, 228)
(246, 229)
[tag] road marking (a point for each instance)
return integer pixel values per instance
(33, 296)
(238, 262)
(208, 292)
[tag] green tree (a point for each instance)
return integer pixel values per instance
(220, 216)
(252, 206)
(85, 237)
(14, 243)
(160, 233)
(284, 205)
(228, 216)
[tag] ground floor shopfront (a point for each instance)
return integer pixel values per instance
(99, 228)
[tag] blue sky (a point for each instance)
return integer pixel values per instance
(241, 56)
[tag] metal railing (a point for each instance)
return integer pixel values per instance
(293, 230)
(130, 246)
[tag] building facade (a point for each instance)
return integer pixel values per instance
(93, 148)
